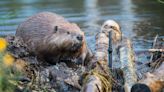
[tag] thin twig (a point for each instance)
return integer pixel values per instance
(154, 43)
(151, 50)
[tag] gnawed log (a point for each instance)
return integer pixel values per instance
(127, 64)
(153, 82)
(99, 78)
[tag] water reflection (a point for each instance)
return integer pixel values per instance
(150, 18)
(92, 17)
(92, 13)
(139, 19)
(128, 18)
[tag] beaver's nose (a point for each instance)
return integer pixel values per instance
(80, 38)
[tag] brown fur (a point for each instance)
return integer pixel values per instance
(155, 80)
(53, 38)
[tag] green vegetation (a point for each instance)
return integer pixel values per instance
(161, 1)
(8, 78)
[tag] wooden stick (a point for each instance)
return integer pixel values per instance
(154, 43)
(110, 50)
(150, 50)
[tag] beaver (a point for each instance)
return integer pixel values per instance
(53, 39)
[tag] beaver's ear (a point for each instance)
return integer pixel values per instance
(55, 29)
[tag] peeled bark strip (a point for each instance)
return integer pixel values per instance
(98, 79)
(154, 81)
(127, 64)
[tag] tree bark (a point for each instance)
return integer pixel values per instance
(98, 78)
(127, 64)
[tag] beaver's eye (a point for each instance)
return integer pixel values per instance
(55, 29)
(68, 32)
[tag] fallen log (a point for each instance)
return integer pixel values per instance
(127, 64)
(99, 78)
(153, 82)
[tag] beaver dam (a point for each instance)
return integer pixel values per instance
(100, 74)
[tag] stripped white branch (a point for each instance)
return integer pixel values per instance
(127, 64)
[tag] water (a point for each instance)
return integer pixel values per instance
(140, 20)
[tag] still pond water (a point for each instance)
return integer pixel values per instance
(140, 20)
